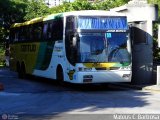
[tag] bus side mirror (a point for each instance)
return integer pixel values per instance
(74, 50)
(74, 42)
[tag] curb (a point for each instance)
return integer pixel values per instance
(155, 88)
(128, 86)
(1, 87)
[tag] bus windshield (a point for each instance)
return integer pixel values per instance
(104, 47)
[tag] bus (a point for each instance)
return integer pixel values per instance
(88, 46)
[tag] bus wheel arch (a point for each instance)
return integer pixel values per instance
(60, 74)
(18, 69)
(23, 70)
(18, 66)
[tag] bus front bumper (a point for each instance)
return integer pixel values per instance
(102, 77)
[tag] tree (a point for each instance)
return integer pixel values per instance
(76, 5)
(85, 5)
(108, 4)
(11, 11)
(156, 49)
(81, 5)
(36, 8)
(158, 3)
(14, 11)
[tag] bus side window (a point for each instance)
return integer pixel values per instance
(69, 37)
(31, 34)
(22, 33)
(27, 33)
(45, 27)
(49, 32)
(57, 29)
(16, 38)
(37, 31)
(12, 35)
(70, 25)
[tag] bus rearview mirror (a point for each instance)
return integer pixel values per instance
(74, 41)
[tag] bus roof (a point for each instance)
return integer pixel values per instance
(53, 16)
(35, 20)
(93, 13)
(71, 13)
(83, 13)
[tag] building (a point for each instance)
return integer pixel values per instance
(141, 32)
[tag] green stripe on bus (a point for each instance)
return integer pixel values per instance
(44, 55)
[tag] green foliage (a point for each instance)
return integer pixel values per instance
(11, 11)
(14, 11)
(85, 5)
(2, 57)
(156, 53)
(76, 5)
(156, 49)
(108, 4)
(21, 10)
(35, 8)
(3, 34)
(155, 2)
(80, 5)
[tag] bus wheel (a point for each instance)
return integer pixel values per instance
(23, 71)
(60, 76)
(19, 70)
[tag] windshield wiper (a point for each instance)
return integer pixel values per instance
(113, 54)
(96, 52)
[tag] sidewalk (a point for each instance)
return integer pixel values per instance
(152, 88)
(137, 87)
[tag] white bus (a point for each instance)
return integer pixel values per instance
(90, 46)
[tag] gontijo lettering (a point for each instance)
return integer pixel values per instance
(28, 48)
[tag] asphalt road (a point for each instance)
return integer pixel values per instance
(39, 98)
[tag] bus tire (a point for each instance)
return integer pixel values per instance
(60, 76)
(18, 69)
(23, 71)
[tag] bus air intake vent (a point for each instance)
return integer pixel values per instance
(102, 68)
(114, 68)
